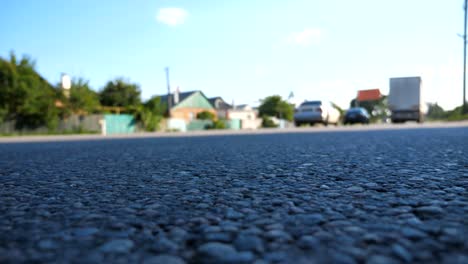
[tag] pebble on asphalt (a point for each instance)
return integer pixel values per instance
(117, 246)
(164, 259)
(215, 252)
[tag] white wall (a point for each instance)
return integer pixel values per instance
(177, 124)
(242, 114)
(251, 124)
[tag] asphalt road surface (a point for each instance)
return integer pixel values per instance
(390, 196)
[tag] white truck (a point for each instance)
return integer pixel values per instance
(405, 99)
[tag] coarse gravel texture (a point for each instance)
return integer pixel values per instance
(397, 196)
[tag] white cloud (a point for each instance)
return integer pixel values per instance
(172, 16)
(306, 37)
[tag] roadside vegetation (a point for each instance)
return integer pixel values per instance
(275, 107)
(437, 113)
(31, 102)
(214, 122)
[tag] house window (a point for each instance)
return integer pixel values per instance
(191, 116)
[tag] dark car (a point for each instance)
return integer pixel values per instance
(356, 115)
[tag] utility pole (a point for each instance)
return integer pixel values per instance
(169, 99)
(465, 109)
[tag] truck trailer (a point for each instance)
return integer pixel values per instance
(405, 99)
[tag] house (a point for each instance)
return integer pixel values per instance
(185, 106)
(368, 95)
(247, 115)
(220, 106)
(243, 112)
(240, 116)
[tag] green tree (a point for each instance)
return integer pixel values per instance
(82, 98)
(156, 105)
(25, 96)
(276, 106)
(7, 82)
(120, 93)
(435, 111)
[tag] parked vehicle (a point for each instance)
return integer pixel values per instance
(356, 115)
(405, 99)
(312, 112)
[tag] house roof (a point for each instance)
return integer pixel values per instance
(218, 103)
(182, 97)
(369, 95)
(242, 106)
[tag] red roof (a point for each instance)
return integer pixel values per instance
(369, 95)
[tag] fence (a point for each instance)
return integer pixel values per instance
(115, 124)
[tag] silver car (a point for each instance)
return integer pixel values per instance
(312, 112)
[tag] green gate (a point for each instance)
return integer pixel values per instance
(195, 125)
(119, 124)
(234, 124)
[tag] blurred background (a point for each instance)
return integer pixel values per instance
(64, 61)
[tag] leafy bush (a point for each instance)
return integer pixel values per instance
(150, 114)
(219, 124)
(205, 115)
(150, 120)
(268, 122)
(457, 114)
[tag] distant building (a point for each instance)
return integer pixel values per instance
(247, 116)
(220, 106)
(240, 116)
(185, 106)
(368, 95)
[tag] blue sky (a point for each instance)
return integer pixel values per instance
(244, 50)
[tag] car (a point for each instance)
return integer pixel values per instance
(312, 112)
(356, 115)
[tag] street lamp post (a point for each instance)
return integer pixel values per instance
(169, 101)
(465, 109)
